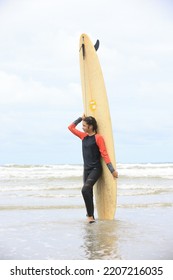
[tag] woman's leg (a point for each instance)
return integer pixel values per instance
(90, 178)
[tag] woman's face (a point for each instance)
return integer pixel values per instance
(86, 128)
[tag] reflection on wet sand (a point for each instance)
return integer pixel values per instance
(100, 240)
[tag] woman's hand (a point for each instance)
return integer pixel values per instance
(115, 174)
(83, 116)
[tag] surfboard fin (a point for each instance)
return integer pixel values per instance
(96, 46)
(83, 50)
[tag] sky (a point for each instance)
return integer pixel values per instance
(40, 88)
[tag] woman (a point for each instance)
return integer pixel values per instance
(93, 147)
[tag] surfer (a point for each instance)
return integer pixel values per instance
(93, 148)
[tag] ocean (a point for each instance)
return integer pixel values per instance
(42, 214)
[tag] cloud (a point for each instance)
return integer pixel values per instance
(15, 90)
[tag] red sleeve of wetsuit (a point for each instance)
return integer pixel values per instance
(102, 148)
(78, 133)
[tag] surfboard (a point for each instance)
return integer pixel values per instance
(95, 103)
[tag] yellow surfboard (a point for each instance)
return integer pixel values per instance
(96, 104)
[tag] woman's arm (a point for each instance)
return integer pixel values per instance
(102, 148)
(78, 133)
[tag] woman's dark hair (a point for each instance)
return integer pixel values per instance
(91, 121)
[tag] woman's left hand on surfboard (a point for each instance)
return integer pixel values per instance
(115, 174)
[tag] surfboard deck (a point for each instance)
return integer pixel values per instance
(95, 103)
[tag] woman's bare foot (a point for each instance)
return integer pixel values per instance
(91, 219)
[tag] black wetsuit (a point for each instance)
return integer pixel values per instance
(92, 170)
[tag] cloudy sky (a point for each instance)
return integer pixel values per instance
(40, 90)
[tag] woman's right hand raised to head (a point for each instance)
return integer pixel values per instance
(83, 116)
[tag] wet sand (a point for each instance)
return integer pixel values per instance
(138, 233)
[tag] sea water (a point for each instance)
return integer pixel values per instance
(42, 214)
